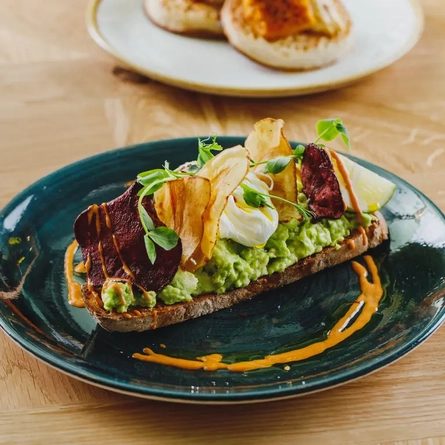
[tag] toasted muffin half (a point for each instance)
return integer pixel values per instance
(195, 18)
(288, 34)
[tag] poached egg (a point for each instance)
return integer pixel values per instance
(246, 225)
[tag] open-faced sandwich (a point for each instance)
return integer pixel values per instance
(288, 34)
(198, 18)
(182, 243)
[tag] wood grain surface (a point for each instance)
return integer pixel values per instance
(62, 98)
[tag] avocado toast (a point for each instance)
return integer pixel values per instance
(187, 242)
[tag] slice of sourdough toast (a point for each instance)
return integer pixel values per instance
(163, 315)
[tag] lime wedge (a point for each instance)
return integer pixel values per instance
(372, 191)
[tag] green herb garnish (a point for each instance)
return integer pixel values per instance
(278, 164)
(256, 199)
(299, 151)
(329, 129)
(205, 150)
(164, 237)
(150, 248)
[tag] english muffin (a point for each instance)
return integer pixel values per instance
(197, 18)
(288, 34)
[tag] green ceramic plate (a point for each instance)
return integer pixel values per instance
(36, 228)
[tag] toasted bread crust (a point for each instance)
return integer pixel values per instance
(163, 315)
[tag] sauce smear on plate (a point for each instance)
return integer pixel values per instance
(361, 312)
(74, 288)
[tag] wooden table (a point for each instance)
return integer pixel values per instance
(62, 98)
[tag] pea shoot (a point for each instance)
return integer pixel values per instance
(329, 129)
(205, 150)
(257, 199)
(164, 237)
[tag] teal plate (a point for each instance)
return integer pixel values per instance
(36, 228)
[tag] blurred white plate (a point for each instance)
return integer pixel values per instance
(384, 31)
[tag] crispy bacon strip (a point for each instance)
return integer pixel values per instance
(112, 240)
(320, 184)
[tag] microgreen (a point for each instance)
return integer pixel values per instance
(164, 237)
(205, 150)
(329, 129)
(277, 165)
(299, 151)
(146, 220)
(150, 248)
(256, 199)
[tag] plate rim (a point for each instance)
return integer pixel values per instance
(99, 38)
(166, 394)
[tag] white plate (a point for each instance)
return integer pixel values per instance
(384, 30)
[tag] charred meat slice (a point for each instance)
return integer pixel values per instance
(320, 183)
(111, 237)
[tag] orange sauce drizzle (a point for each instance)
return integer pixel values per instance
(88, 264)
(361, 311)
(99, 300)
(124, 264)
(74, 288)
(90, 286)
(80, 268)
(94, 211)
(348, 184)
(155, 319)
(351, 244)
(102, 260)
(107, 215)
(116, 245)
(364, 236)
(114, 284)
(146, 295)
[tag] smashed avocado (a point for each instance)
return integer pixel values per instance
(115, 295)
(233, 265)
(182, 287)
